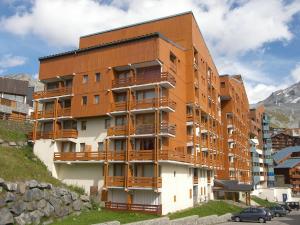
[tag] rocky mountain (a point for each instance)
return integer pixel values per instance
(284, 107)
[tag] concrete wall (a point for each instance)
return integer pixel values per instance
(177, 186)
(274, 194)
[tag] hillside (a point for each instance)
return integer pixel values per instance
(284, 107)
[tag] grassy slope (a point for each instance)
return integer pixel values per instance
(262, 202)
(13, 131)
(210, 208)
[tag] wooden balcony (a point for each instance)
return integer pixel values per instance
(8, 103)
(141, 155)
(66, 133)
(42, 114)
(175, 156)
(151, 209)
(64, 112)
(145, 129)
(52, 93)
(295, 176)
(144, 182)
(163, 102)
(119, 106)
(167, 128)
(116, 156)
(115, 181)
(44, 135)
(189, 118)
(118, 131)
(79, 156)
(140, 80)
(195, 180)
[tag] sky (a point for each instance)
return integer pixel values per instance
(259, 39)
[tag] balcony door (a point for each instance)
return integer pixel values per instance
(144, 144)
(149, 73)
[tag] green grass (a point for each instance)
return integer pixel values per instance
(14, 131)
(95, 216)
(21, 165)
(262, 202)
(210, 208)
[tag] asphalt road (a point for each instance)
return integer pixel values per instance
(291, 219)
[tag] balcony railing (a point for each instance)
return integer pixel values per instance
(154, 103)
(52, 93)
(79, 156)
(151, 209)
(44, 135)
(168, 128)
(118, 130)
(195, 180)
(119, 106)
(67, 133)
(145, 129)
(115, 181)
(144, 182)
(176, 156)
(116, 156)
(64, 112)
(8, 102)
(141, 155)
(139, 80)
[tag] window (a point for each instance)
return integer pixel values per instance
(97, 77)
(222, 84)
(120, 121)
(82, 147)
(84, 100)
(174, 198)
(107, 123)
(172, 58)
(83, 125)
(96, 99)
(85, 79)
(100, 146)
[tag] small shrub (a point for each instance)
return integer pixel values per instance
(77, 189)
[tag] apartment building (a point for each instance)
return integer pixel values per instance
(283, 140)
(13, 99)
(134, 114)
(261, 148)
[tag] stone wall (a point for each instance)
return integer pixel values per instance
(30, 202)
(189, 220)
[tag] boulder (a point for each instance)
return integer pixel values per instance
(41, 204)
(74, 196)
(32, 184)
(2, 202)
(1, 141)
(6, 217)
(87, 205)
(18, 208)
(48, 210)
(45, 186)
(77, 205)
(9, 186)
(57, 204)
(10, 197)
(67, 199)
(12, 144)
(31, 206)
(36, 216)
(46, 195)
(21, 188)
(85, 198)
(61, 191)
(23, 219)
(33, 194)
(20, 143)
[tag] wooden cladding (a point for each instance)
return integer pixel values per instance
(131, 81)
(65, 133)
(151, 209)
(8, 103)
(144, 182)
(53, 92)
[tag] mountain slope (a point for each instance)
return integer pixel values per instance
(284, 107)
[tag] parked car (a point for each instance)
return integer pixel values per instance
(252, 214)
(278, 210)
(293, 205)
(287, 208)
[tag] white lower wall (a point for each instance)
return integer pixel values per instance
(273, 194)
(178, 185)
(81, 174)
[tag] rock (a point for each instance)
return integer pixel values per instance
(10, 197)
(46, 195)
(57, 204)
(21, 188)
(47, 222)
(31, 206)
(45, 186)
(12, 143)
(33, 194)
(74, 196)
(23, 219)
(1, 180)
(18, 208)
(87, 205)
(32, 184)
(67, 199)
(48, 210)
(77, 205)
(6, 217)
(8, 186)
(20, 143)
(36, 216)
(1, 141)
(41, 204)
(84, 198)
(2, 202)
(61, 191)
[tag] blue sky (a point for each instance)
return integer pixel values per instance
(258, 39)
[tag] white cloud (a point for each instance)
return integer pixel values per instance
(296, 73)
(8, 61)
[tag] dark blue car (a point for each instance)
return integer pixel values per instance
(252, 214)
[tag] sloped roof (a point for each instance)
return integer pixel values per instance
(283, 153)
(290, 163)
(232, 185)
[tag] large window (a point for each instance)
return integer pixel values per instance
(97, 77)
(120, 121)
(84, 100)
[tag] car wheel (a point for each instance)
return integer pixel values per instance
(261, 220)
(237, 219)
(277, 214)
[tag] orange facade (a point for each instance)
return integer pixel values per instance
(235, 111)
